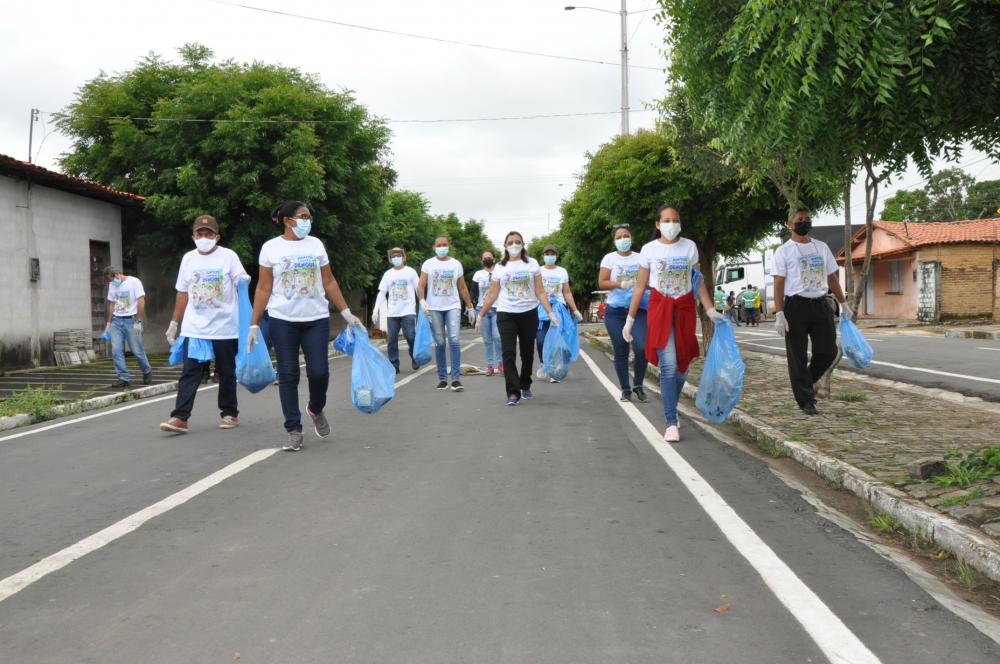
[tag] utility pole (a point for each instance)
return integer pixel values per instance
(31, 130)
(625, 110)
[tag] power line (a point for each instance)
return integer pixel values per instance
(908, 187)
(641, 19)
(440, 40)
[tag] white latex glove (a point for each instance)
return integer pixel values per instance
(577, 316)
(351, 319)
(846, 311)
(427, 309)
(107, 329)
(375, 317)
(478, 323)
(245, 277)
(713, 315)
(470, 314)
(627, 330)
(253, 338)
(626, 284)
(553, 321)
(138, 327)
(172, 332)
(780, 324)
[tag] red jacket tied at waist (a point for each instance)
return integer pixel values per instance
(661, 321)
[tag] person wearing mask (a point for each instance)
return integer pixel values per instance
(618, 275)
(399, 285)
(750, 306)
(124, 324)
(490, 332)
(804, 269)
(669, 265)
(555, 279)
(517, 290)
(206, 309)
(296, 286)
(441, 285)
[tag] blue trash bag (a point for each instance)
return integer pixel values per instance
(254, 370)
(854, 346)
(423, 340)
(373, 378)
(567, 328)
(557, 356)
(198, 349)
(344, 342)
(722, 376)
(177, 351)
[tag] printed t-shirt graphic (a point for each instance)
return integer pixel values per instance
(209, 281)
(812, 267)
(623, 268)
(553, 280)
(517, 286)
(805, 267)
(442, 283)
(297, 294)
(400, 288)
(670, 265)
(206, 290)
(126, 296)
(299, 276)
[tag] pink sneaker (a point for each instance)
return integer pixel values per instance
(672, 434)
(500, 368)
(489, 370)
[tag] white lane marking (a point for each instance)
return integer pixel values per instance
(986, 348)
(837, 642)
(21, 580)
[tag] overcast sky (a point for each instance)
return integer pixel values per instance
(513, 174)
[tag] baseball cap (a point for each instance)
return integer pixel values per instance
(550, 247)
(206, 221)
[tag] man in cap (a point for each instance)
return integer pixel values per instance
(125, 324)
(206, 315)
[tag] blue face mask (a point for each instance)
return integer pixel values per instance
(302, 227)
(116, 281)
(396, 261)
(623, 243)
(550, 260)
(441, 251)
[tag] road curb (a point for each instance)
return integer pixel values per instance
(972, 334)
(967, 544)
(103, 401)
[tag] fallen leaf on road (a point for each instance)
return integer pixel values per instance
(236, 656)
(724, 608)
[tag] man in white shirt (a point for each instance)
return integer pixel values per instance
(125, 324)
(803, 271)
(399, 286)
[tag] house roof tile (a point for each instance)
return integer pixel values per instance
(23, 170)
(914, 234)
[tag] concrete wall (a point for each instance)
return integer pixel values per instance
(966, 278)
(894, 305)
(56, 227)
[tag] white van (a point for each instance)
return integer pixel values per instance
(737, 273)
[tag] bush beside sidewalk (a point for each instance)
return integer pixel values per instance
(871, 437)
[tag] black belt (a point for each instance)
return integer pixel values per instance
(821, 298)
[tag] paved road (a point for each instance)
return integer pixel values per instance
(447, 528)
(968, 366)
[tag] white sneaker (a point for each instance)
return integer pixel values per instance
(540, 374)
(672, 434)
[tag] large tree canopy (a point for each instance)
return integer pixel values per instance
(234, 140)
(949, 195)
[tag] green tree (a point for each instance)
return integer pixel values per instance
(949, 195)
(467, 240)
(233, 140)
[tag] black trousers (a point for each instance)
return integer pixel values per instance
(514, 329)
(225, 368)
(809, 320)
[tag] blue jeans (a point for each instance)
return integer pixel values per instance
(491, 338)
(312, 337)
(671, 380)
(406, 323)
(441, 322)
(614, 321)
(122, 332)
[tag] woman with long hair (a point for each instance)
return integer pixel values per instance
(490, 333)
(619, 275)
(516, 288)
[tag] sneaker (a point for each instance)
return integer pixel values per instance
(229, 422)
(527, 395)
(320, 424)
(489, 370)
(500, 368)
(294, 442)
(672, 434)
(120, 383)
(553, 380)
(809, 409)
(456, 386)
(147, 378)
(414, 366)
(513, 399)
(626, 395)
(443, 385)
(174, 425)
(640, 393)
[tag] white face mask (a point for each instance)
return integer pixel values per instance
(397, 261)
(205, 244)
(441, 251)
(514, 250)
(670, 229)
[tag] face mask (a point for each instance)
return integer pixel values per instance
(396, 261)
(623, 244)
(441, 251)
(514, 250)
(550, 260)
(488, 262)
(116, 281)
(803, 227)
(205, 244)
(302, 227)
(670, 229)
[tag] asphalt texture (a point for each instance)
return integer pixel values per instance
(918, 358)
(446, 528)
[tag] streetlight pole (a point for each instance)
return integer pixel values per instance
(625, 109)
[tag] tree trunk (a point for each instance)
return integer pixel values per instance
(706, 257)
(848, 234)
(871, 199)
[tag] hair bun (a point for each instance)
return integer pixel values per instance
(274, 214)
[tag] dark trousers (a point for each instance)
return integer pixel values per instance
(809, 320)
(225, 368)
(614, 321)
(543, 330)
(395, 324)
(517, 329)
(312, 337)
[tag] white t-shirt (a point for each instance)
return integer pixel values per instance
(670, 265)
(297, 294)
(401, 287)
(553, 279)
(442, 283)
(805, 267)
(482, 278)
(126, 296)
(517, 286)
(623, 268)
(210, 283)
